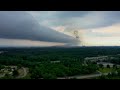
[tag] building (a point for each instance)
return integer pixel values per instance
(100, 58)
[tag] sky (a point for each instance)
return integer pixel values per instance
(56, 28)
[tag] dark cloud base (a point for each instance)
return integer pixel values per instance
(21, 25)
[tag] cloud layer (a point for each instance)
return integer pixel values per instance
(21, 25)
(77, 19)
(95, 27)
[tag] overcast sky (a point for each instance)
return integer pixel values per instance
(49, 28)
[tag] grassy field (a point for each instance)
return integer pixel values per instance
(106, 70)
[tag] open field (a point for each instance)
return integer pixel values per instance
(106, 70)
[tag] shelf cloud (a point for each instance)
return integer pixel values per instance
(22, 25)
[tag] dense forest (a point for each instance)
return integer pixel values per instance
(53, 62)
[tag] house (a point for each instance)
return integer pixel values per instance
(10, 73)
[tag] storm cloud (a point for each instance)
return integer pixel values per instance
(22, 25)
(38, 27)
(77, 19)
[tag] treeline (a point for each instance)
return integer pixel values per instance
(52, 71)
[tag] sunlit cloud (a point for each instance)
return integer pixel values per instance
(102, 36)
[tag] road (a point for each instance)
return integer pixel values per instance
(23, 73)
(84, 76)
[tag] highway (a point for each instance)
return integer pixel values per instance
(84, 76)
